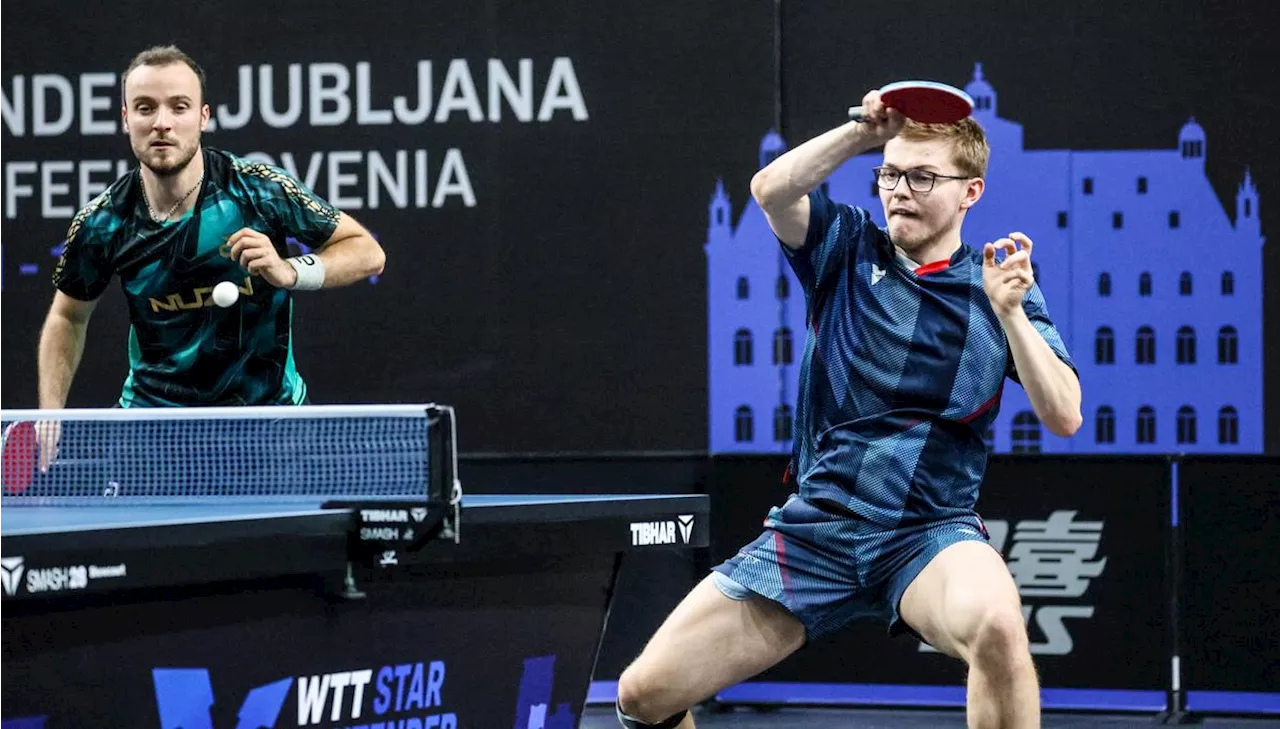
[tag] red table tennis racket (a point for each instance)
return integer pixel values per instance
(927, 102)
(18, 456)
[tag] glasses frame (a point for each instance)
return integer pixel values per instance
(904, 175)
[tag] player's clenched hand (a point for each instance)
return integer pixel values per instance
(879, 121)
(1007, 282)
(257, 254)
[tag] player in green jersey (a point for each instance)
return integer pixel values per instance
(186, 219)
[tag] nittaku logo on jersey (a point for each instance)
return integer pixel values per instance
(649, 533)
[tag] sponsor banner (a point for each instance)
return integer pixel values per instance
(678, 531)
(18, 577)
(513, 647)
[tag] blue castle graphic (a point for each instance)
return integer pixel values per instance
(1156, 289)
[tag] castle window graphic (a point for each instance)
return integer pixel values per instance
(1186, 424)
(1146, 424)
(1120, 239)
(1105, 428)
(1105, 346)
(1227, 433)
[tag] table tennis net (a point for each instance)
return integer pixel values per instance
(276, 452)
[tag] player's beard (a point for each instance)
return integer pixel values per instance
(912, 234)
(170, 162)
(916, 233)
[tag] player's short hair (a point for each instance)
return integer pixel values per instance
(163, 56)
(970, 149)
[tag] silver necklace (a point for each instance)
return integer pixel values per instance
(176, 205)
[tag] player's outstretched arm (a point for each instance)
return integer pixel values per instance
(781, 189)
(1052, 386)
(61, 347)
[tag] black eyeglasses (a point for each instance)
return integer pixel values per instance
(918, 180)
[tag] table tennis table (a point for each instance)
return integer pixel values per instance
(274, 610)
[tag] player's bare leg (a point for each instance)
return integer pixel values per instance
(708, 642)
(965, 604)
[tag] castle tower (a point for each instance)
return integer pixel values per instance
(1191, 142)
(1247, 221)
(982, 93)
(771, 147)
(719, 217)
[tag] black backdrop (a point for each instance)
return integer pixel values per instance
(566, 310)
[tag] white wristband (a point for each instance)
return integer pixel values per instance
(310, 272)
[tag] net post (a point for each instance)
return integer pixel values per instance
(443, 485)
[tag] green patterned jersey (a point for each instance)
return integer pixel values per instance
(183, 349)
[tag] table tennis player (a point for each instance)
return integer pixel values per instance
(911, 334)
(187, 219)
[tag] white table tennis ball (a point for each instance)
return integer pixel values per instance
(225, 294)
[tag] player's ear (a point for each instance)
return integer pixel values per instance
(973, 193)
(204, 118)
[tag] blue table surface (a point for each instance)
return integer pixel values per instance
(17, 518)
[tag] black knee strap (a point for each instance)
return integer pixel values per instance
(669, 723)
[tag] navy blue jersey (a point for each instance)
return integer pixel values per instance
(902, 372)
(183, 350)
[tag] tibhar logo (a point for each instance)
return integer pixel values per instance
(385, 515)
(686, 527)
(11, 576)
(648, 533)
(877, 273)
(1055, 558)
